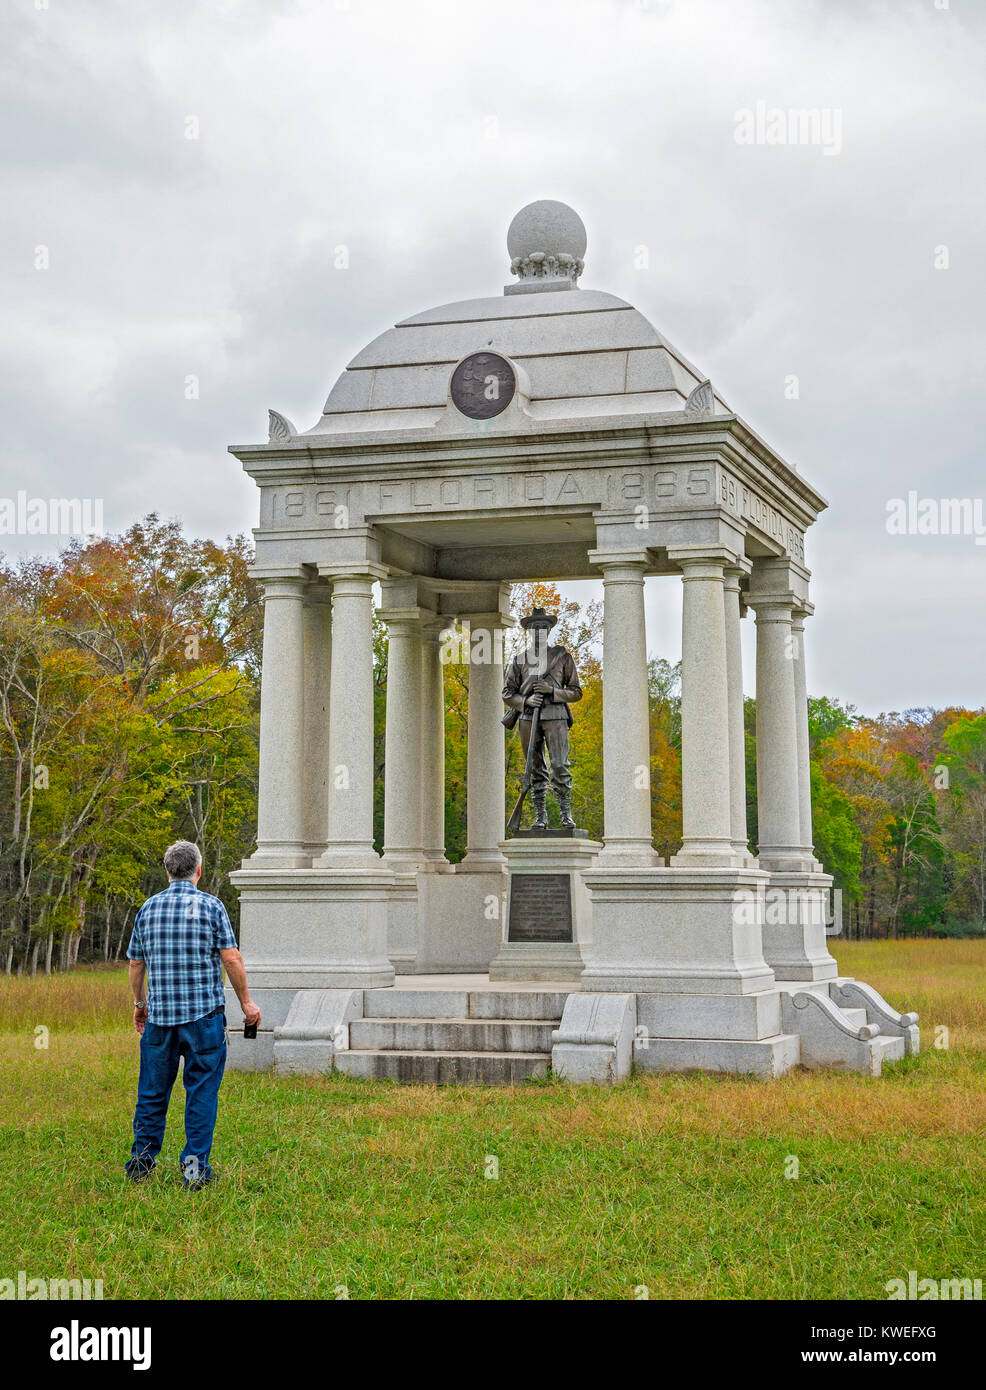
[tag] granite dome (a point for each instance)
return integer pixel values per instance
(585, 353)
(580, 353)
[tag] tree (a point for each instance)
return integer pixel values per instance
(128, 705)
(836, 835)
(964, 804)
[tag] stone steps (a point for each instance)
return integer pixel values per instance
(444, 1068)
(464, 1004)
(444, 1037)
(451, 1034)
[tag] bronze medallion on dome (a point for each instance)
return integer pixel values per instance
(483, 385)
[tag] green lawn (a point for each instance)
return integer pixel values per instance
(676, 1183)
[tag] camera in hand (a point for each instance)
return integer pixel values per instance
(249, 1030)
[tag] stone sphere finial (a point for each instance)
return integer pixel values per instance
(546, 242)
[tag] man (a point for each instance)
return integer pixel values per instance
(179, 938)
(544, 677)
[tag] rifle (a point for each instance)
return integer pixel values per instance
(513, 823)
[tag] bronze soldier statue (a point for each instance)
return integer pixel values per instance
(543, 677)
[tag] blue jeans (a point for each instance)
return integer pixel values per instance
(203, 1045)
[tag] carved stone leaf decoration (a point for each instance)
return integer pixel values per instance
(280, 427)
(701, 399)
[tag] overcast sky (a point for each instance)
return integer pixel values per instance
(410, 133)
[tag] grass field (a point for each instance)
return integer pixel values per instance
(331, 1187)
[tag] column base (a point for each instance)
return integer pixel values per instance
(403, 863)
(344, 856)
(437, 864)
(629, 854)
(481, 861)
(708, 854)
(275, 857)
(786, 859)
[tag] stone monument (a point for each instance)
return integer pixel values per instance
(546, 433)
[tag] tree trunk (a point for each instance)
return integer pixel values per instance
(49, 947)
(34, 955)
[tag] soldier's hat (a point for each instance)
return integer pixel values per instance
(539, 618)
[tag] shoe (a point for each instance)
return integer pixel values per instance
(540, 814)
(198, 1183)
(565, 813)
(138, 1170)
(192, 1179)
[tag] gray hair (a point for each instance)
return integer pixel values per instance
(182, 859)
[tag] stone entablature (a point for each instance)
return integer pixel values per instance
(655, 479)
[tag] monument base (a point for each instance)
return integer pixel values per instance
(465, 1028)
(677, 931)
(547, 918)
(315, 928)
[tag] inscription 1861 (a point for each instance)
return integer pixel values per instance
(540, 908)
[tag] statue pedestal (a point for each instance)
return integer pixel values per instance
(548, 913)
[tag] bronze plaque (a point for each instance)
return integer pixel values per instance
(483, 385)
(540, 907)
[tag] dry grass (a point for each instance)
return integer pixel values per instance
(88, 998)
(944, 981)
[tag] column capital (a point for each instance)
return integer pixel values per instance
(613, 559)
(285, 586)
(801, 611)
(358, 569)
(775, 606)
(735, 572)
(489, 620)
(268, 574)
(713, 559)
(434, 625)
(408, 618)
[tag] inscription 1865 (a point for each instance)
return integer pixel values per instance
(645, 491)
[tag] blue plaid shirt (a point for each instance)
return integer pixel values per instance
(179, 934)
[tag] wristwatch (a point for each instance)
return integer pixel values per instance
(141, 1004)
